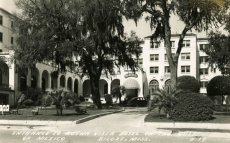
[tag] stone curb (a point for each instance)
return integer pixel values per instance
(55, 122)
(96, 116)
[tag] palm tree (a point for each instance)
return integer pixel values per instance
(117, 92)
(164, 99)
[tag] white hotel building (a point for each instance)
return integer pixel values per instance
(192, 61)
(153, 72)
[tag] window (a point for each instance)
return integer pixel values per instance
(167, 69)
(172, 44)
(1, 20)
(203, 71)
(154, 57)
(12, 40)
(154, 45)
(185, 69)
(203, 84)
(153, 85)
(1, 37)
(203, 59)
(185, 56)
(186, 43)
(154, 69)
(203, 46)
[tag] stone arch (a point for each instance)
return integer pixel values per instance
(34, 77)
(86, 88)
(4, 74)
(76, 86)
(45, 79)
(62, 81)
(114, 84)
(54, 79)
(103, 87)
(132, 88)
(69, 84)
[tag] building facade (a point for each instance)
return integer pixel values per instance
(153, 71)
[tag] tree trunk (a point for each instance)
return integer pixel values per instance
(172, 64)
(173, 76)
(94, 82)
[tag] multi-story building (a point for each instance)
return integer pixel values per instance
(192, 61)
(153, 71)
(7, 68)
(205, 72)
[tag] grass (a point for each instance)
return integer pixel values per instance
(217, 118)
(51, 114)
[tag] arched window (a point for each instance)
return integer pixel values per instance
(76, 86)
(105, 88)
(167, 84)
(153, 85)
(69, 84)
(62, 81)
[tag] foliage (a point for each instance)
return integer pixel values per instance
(35, 94)
(47, 100)
(21, 99)
(219, 86)
(195, 14)
(91, 30)
(188, 83)
(60, 99)
(28, 102)
(108, 99)
(164, 99)
(117, 92)
(192, 107)
(219, 52)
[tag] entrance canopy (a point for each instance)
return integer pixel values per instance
(131, 84)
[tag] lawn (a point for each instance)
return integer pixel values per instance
(218, 117)
(50, 114)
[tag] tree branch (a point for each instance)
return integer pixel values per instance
(180, 43)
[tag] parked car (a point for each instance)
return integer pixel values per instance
(137, 102)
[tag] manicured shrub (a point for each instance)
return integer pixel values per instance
(188, 83)
(219, 86)
(192, 107)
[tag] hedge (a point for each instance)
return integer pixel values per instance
(188, 83)
(192, 107)
(218, 86)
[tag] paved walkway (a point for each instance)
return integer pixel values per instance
(156, 125)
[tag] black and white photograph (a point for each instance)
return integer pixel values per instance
(114, 71)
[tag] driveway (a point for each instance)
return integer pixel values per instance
(124, 127)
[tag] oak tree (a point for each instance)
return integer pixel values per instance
(86, 37)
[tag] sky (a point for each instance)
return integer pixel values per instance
(142, 29)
